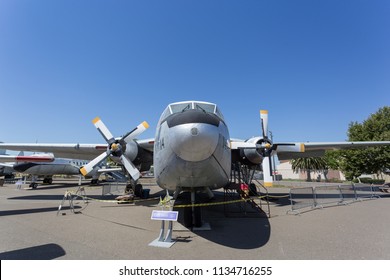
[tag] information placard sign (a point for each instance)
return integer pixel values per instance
(165, 215)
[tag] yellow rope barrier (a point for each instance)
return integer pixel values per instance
(164, 201)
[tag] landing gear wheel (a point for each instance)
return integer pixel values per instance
(138, 190)
(192, 215)
(187, 215)
(94, 181)
(129, 189)
(197, 217)
(48, 181)
(252, 190)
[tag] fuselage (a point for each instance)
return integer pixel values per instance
(191, 148)
(58, 166)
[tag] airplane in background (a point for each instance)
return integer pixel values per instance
(45, 165)
(31, 158)
(7, 170)
(192, 150)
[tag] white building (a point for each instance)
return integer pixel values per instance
(285, 169)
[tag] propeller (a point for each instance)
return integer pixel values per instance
(265, 147)
(115, 148)
(268, 147)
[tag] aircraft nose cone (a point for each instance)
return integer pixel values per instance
(194, 142)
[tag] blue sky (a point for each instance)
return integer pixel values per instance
(315, 65)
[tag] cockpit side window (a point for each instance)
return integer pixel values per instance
(165, 114)
(219, 114)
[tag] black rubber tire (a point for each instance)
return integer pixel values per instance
(138, 190)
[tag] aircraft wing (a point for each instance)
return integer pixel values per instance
(287, 151)
(32, 158)
(147, 144)
(76, 151)
(9, 165)
(114, 169)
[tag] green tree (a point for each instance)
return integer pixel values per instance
(354, 163)
(309, 164)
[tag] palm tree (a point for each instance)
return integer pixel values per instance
(308, 164)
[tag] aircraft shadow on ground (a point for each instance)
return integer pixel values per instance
(38, 197)
(61, 196)
(42, 187)
(35, 210)
(150, 201)
(42, 252)
(278, 199)
(232, 227)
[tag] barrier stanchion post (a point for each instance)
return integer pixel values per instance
(68, 196)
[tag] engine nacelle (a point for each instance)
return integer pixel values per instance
(132, 150)
(254, 156)
(141, 158)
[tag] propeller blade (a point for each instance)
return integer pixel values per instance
(86, 169)
(267, 171)
(131, 169)
(264, 122)
(136, 131)
(102, 128)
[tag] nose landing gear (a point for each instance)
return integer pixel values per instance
(192, 212)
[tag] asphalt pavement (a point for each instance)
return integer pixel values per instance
(31, 227)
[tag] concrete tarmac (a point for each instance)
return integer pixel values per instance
(102, 230)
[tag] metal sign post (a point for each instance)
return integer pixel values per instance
(165, 215)
(170, 216)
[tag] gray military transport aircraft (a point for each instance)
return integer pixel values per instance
(192, 150)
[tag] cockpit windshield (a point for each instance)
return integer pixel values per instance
(181, 107)
(191, 105)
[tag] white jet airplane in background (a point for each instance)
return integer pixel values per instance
(45, 165)
(31, 158)
(7, 170)
(192, 150)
